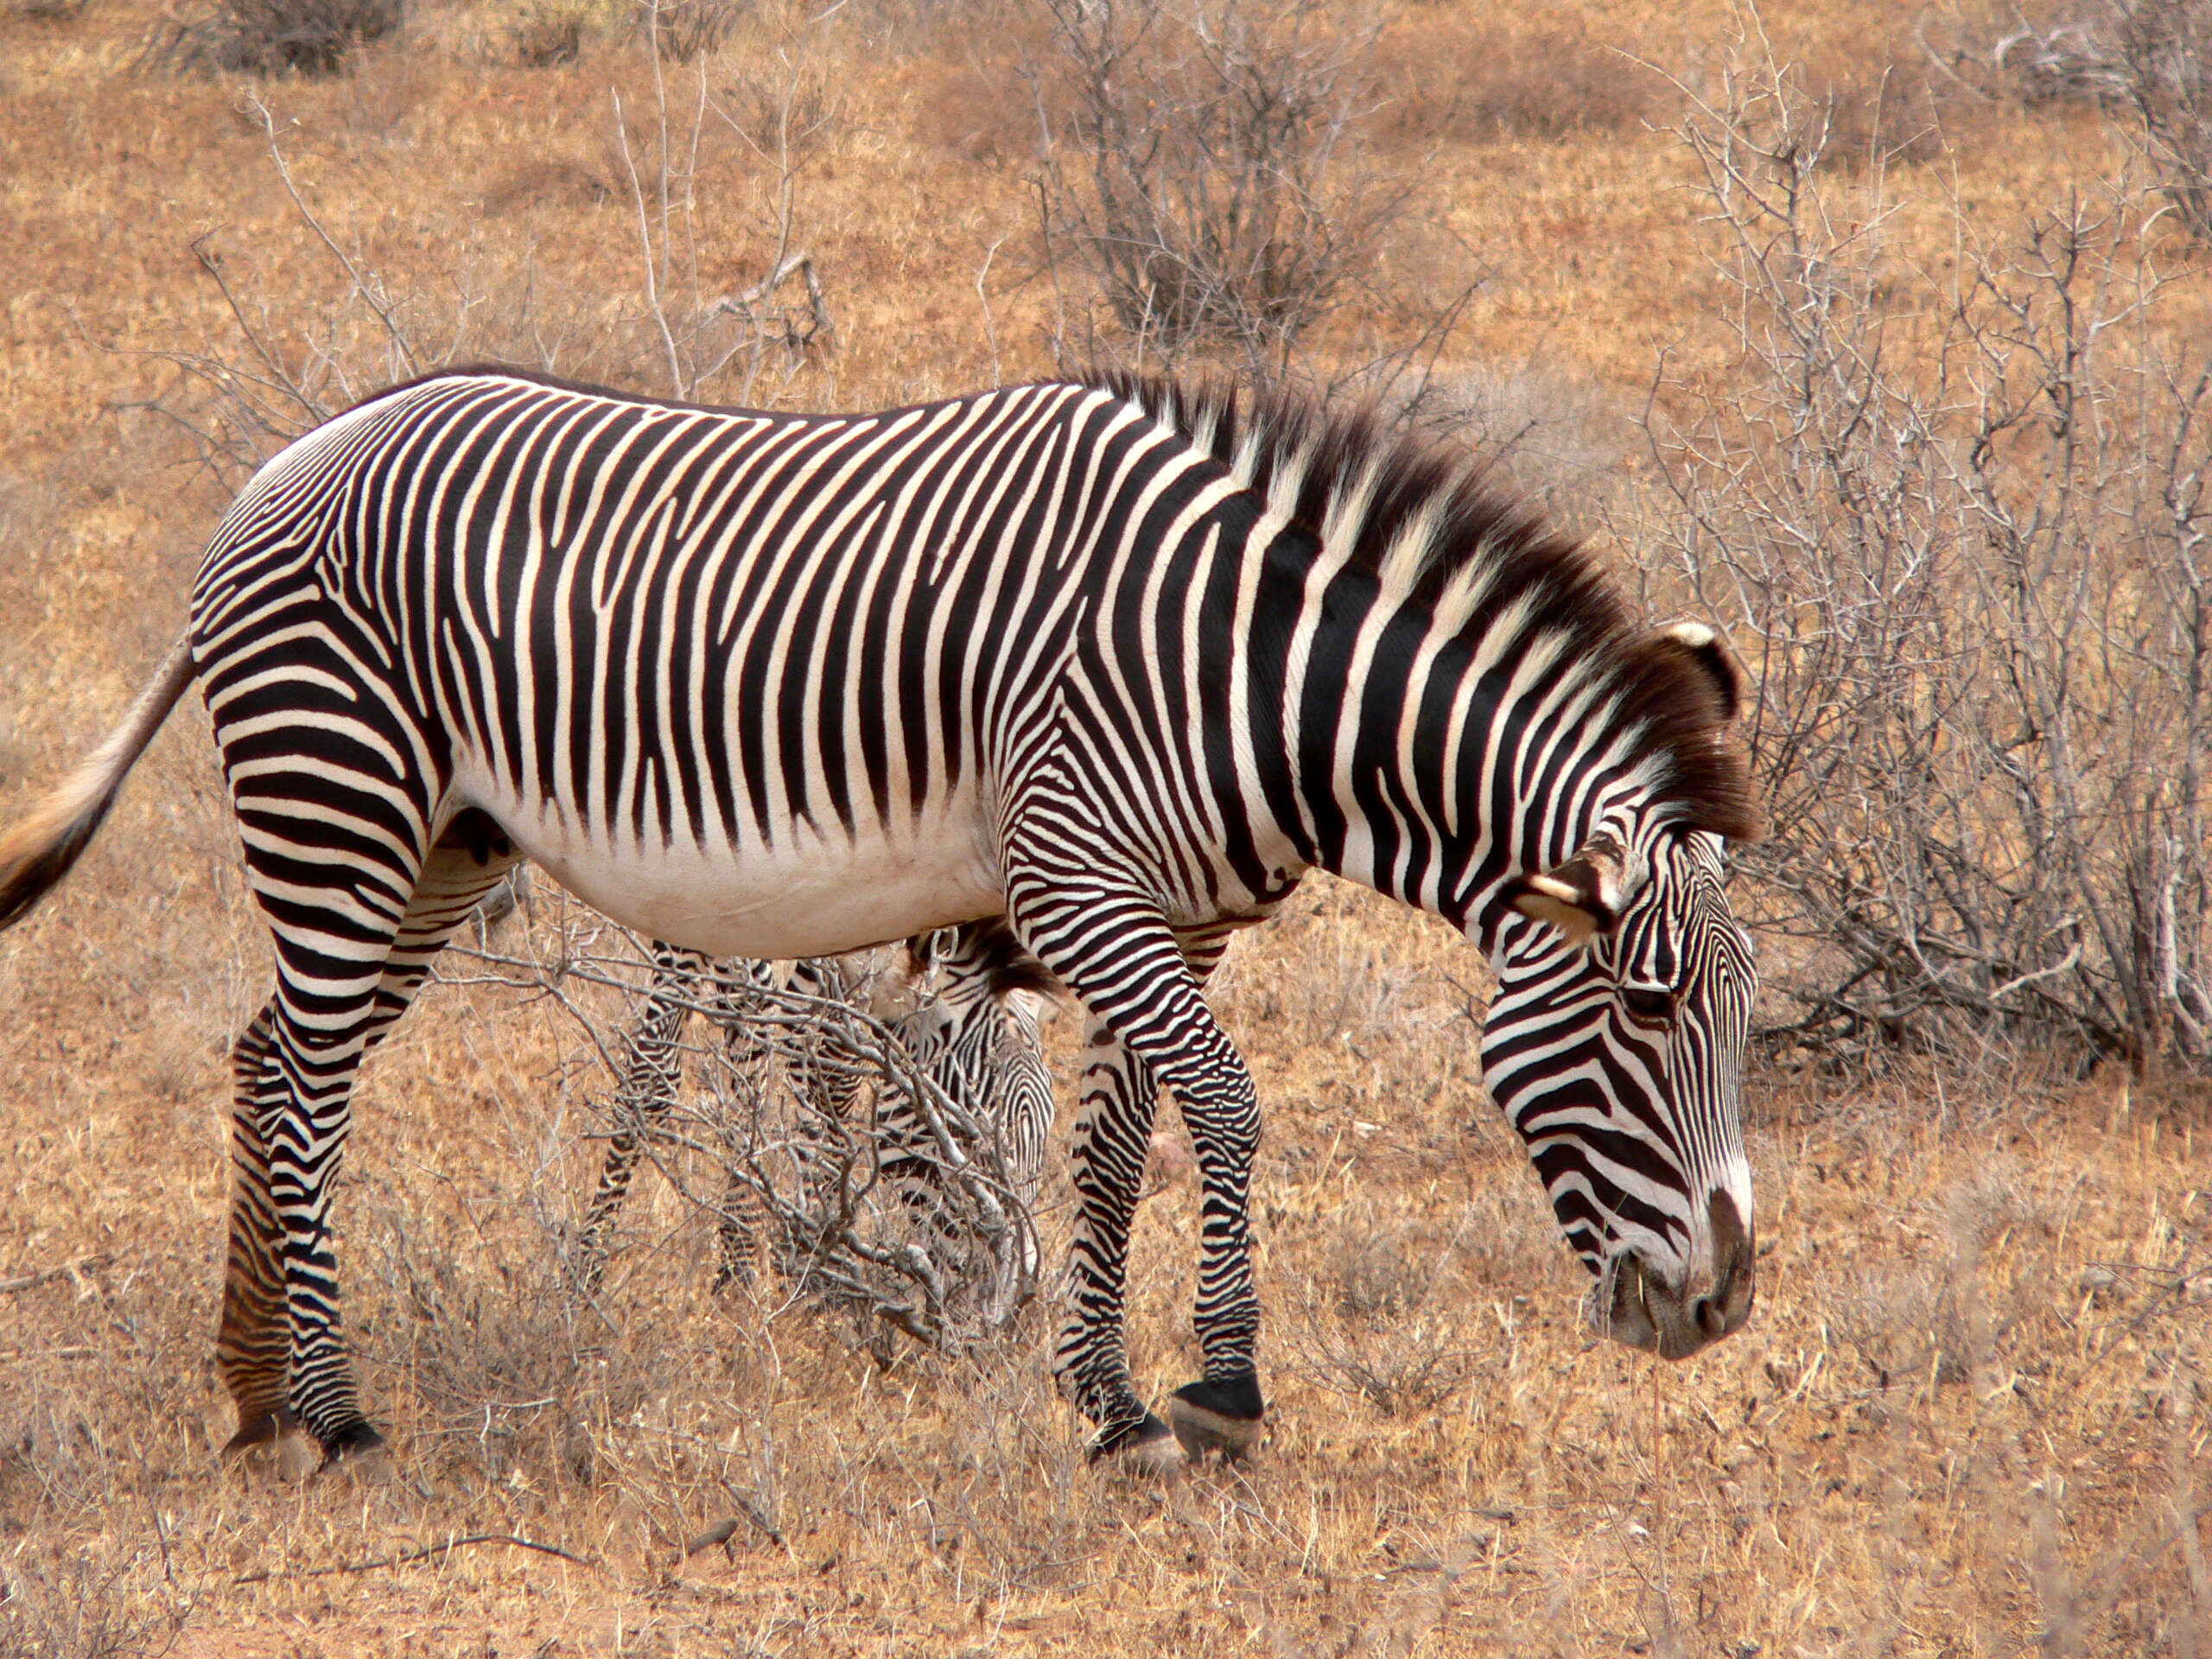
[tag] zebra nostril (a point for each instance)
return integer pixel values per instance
(1711, 1314)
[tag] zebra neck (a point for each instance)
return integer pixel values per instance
(1438, 767)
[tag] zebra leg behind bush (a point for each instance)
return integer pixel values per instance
(975, 1038)
(682, 981)
(643, 1098)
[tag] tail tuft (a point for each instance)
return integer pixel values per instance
(38, 852)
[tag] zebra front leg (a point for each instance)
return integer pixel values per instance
(1113, 1126)
(1223, 1411)
(1143, 983)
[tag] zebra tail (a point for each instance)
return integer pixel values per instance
(38, 852)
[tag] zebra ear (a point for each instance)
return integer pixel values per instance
(1582, 898)
(1709, 649)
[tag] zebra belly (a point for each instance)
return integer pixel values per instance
(810, 896)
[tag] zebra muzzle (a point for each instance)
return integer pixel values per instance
(1634, 1304)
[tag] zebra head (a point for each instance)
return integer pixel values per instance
(1618, 1059)
(976, 1036)
(1615, 1045)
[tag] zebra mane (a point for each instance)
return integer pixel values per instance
(1429, 522)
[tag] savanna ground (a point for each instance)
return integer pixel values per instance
(1970, 1415)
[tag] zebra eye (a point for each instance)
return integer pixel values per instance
(1649, 1007)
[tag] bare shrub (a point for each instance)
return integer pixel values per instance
(2058, 63)
(1559, 439)
(1891, 114)
(2146, 63)
(780, 323)
(881, 1199)
(1958, 526)
(1939, 1316)
(76, 1607)
(272, 37)
(1382, 1323)
(240, 399)
(1207, 161)
(2165, 56)
(686, 29)
(479, 1328)
(547, 33)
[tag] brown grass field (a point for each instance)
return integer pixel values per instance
(1972, 1412)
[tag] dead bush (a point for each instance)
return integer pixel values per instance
(1889, 114)
(2165, 56)
(880, 1199)
(2146, 63)
(1959, 525)
(273, 37)
(508, 1368)
(286, 367)
(682, 30)
(72, 1606)
(1382, 1323)
(545, 35)
(1939, 1315)
(1207, 161)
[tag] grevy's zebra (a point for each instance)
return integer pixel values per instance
(1118, 661)
(975, 1036)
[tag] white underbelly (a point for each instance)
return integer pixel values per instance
(810, 896)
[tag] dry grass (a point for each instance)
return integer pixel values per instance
(1970, 1415)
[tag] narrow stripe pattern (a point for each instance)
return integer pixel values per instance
(1118, 662)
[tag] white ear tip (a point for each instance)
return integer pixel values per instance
(1696, 635)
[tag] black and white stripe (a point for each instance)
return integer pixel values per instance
(1118, 662)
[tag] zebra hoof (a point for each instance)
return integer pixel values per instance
(1147, 1447)
(1224, 1418)
(261, 1429)
(356, 1451)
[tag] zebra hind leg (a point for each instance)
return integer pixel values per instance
(296, 1066)
(251, 1343)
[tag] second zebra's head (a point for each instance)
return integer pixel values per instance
(1615, 1045)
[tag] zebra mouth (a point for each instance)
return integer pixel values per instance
(1632, 1304)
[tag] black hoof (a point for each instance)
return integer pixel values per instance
(1146, 1447)
(1224, 1417)
(357, 1446)
(260, 1430)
